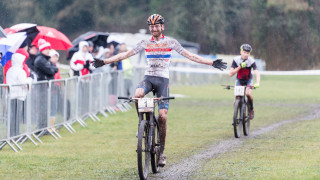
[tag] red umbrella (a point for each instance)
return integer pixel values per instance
(57, 39)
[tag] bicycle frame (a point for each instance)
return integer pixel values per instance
(147, 128)
(240, 116)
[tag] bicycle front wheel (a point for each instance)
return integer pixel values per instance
(155, 147)
(237, 118)
(246, 123)
(143, 153)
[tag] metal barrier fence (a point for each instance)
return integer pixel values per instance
(29, 111)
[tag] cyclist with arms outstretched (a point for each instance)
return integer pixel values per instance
(158, 52)
(242, 66)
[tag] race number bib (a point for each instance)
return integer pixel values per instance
(239, 90)
(145, 105)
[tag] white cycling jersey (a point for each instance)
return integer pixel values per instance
(158, 54)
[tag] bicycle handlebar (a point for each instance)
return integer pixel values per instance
(166, 98)
(130, 98)
(126, 98)
(229, 87)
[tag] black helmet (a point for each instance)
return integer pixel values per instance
(246, 47)
(155, 19)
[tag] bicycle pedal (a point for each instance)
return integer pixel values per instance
(157, 144)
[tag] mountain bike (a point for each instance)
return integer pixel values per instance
(241, 120)
(148, 146)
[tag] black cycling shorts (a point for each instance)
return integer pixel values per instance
(161, 87)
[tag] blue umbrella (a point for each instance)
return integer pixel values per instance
(10, 44)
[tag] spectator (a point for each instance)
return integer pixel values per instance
(45, 69)
(54, 58)
(80, 61)
(1, 70)
(17, 75)
(106, 68)
(127, 68)
(8, 65)
(115, 65)
(100, 52)
(111, 47)
(33, 51)
(90, 47)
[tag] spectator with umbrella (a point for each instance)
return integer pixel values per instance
(97, 38)
(80, 61)
(45, 69)
(33, 51)
(54, 58)
(91, 47)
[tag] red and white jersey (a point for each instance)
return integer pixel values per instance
(158, 54)
(244, 73)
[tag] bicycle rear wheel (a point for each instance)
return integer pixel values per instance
(142, 150)
(155, 147)
(246, 124)
(237, 116)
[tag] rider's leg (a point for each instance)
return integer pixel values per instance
(163, 128)
(143, 88)
(140, 93)
(163, 132)
(250, 97)
(250, 101)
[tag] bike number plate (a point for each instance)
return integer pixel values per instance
(239, 90)
(145, 105)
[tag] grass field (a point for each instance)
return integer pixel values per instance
(106, 149)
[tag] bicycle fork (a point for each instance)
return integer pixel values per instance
(151, 132)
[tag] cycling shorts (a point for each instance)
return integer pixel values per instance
(161, 87)
(244, 82)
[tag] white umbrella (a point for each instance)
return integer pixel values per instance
(20, 26)
(10, 44)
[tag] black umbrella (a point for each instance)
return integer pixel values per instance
(98, 39)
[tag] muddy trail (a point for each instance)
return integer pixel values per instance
(186, 168)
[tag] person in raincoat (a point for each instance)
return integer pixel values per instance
(16, 75)
(8, 65)
(80, 61)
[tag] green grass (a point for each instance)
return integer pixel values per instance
(291, 152)
(106, 149)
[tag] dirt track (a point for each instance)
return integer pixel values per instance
(187, 167)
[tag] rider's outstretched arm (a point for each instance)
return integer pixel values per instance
(98, 62)
(195, 58)
(119, 57)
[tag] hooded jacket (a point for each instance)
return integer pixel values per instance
(80, 61)
(45, 69)
(25, 66)
(17, 75)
